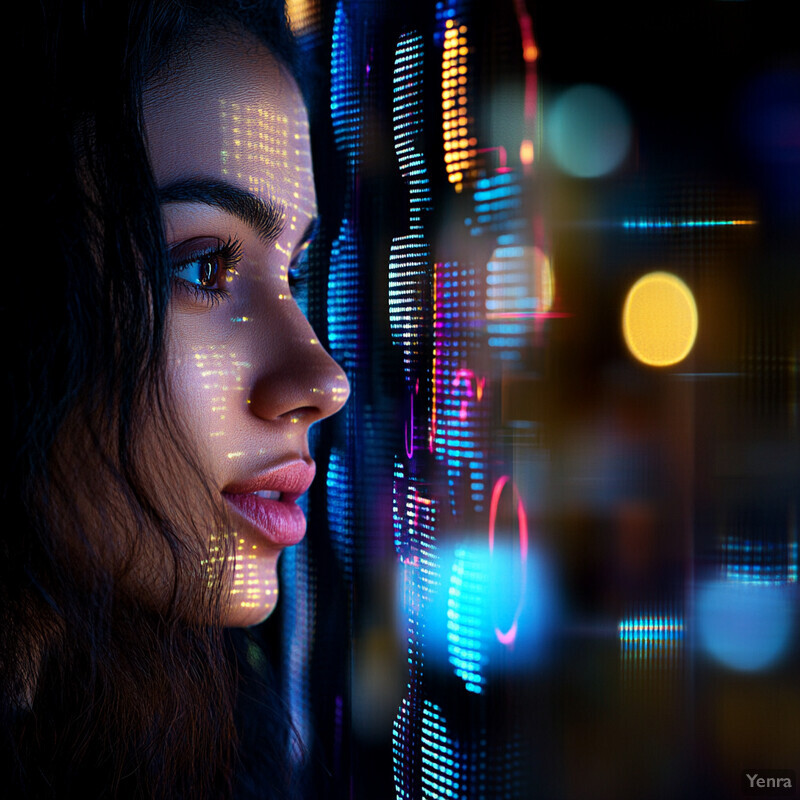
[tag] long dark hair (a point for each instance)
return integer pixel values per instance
(103, 694)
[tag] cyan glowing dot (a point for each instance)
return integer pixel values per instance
(589, 131)
(744, 626)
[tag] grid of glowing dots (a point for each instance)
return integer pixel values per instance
(659, 319)
(459, 148)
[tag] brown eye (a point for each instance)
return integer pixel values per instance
(205, 270)
(211, 268)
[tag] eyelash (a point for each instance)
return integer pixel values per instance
(230, 252)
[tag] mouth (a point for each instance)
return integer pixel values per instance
(268, 495)
(268, 502)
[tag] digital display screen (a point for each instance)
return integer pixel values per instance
(555, 553)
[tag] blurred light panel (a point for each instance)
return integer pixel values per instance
(659, 319)
(763, 563)
(466, 618)
(519, 283)
(493, 611)
(746, 627)
(589, 131)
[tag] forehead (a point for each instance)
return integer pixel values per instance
(230, 111)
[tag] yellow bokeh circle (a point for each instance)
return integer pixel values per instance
(659, 319)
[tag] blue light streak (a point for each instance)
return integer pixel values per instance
(656, 224)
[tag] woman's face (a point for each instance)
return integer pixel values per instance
(227, 134)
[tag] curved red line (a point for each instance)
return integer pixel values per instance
(508, 637)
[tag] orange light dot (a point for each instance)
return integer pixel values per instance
(526, 151)
(660, 319)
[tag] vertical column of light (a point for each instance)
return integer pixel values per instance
(345, 293)
(409, 262)
(413, 507)
(345, 301)
(460, 430)
(460, 153)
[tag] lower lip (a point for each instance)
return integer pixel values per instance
(281, 522)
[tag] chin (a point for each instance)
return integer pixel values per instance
(254, 594)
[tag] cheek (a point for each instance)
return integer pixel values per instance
(209, 383)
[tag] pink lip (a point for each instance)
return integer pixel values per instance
(281, 521)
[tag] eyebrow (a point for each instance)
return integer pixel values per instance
(266, 217)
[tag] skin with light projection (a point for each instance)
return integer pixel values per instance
(246, 363)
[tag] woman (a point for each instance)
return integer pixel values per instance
(163, 393)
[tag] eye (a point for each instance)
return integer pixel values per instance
(204, 266)
(205, 270)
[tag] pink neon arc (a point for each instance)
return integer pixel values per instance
(508, 637)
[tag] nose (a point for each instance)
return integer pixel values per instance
(298, 381)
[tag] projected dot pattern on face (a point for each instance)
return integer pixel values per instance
(265, 148)
(230, 152)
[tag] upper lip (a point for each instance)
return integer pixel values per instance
(291, 480)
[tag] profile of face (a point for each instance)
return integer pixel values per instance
(228, 141)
